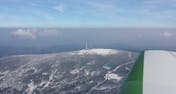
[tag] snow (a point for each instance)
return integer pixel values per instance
(103, 52)
(94, 73)
(52, 75)
(86, 72)
(130, 55)
(159, 72)
(46, 84)
(45, 73)
(91, 62)
(75, 71)
(106, 67)
(127, 68)
(112, 76)
(103, 88)
(31, 88)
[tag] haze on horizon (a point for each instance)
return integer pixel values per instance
(118, 38)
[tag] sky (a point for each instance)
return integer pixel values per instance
(125, 38)
(87, 13)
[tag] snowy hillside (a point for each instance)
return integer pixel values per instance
(102, 52)
(88, 71)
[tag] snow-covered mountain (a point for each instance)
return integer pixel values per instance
(102, 52)
(88, 71)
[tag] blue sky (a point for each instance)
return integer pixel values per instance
(87, 13)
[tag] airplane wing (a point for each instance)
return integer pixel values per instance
(153, 73)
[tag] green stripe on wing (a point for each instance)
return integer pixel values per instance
(134, 82)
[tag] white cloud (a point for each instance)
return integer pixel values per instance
(34, 33)
(24, 33)
(167, 34)
(60, 8)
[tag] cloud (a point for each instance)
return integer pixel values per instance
(34, 33)
(167, 34)
(60, 8)
(24, 33)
